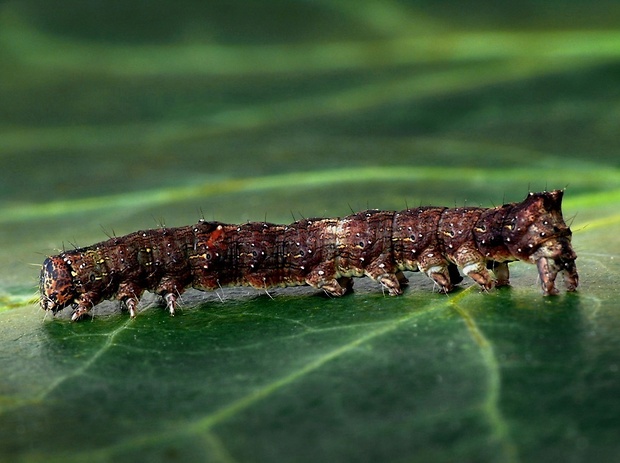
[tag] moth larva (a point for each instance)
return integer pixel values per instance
(323, 253)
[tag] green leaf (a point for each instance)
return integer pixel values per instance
(307, 109)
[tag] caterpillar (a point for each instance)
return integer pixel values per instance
(325, 253)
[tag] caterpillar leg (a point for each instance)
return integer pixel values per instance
(128, 293)
(84, 304)
(556, 257)
(331, 287)
(324, 277)
(478, 272)
(501, 272)
(170, 289)
(390, 282)
(78, 313)
(570, 276)
(131, 303)
(438, 269)
(548, 271)
(171, 303)
(385, 273)
(440, 275)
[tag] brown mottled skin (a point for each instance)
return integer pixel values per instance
(323, 253)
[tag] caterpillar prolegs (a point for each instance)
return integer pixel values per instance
(324, 253)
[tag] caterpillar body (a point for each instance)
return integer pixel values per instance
(324, 253)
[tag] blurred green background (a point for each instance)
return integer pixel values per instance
(121, 115)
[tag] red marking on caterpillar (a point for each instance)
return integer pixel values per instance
(323, 253)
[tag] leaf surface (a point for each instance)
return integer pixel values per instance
(340, 106)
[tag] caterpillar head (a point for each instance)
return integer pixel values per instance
(56, 284)
(535, 231)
